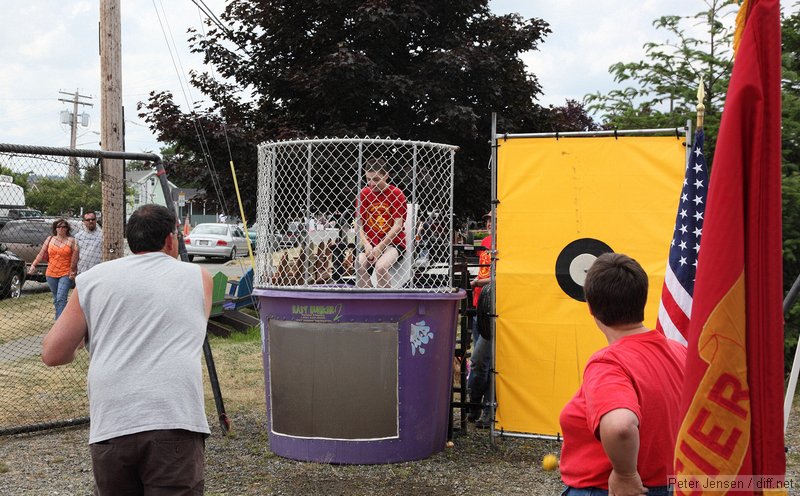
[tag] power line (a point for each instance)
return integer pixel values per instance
(217, 22)
(205, 153)
(27, 99)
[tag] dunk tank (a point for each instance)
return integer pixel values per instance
(357, 360)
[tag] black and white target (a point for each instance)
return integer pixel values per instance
(574, 261)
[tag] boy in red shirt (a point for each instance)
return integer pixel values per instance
(620, 427)
(381, 214)
(480, 359)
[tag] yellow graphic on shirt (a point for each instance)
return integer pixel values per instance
(484, 259)
(378, 218)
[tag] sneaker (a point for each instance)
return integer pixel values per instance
(484, 422)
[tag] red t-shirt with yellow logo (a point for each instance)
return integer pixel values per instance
(377, 212)
(484, 259)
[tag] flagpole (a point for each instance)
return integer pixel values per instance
(792, 386)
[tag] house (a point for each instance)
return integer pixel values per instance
(143, 187)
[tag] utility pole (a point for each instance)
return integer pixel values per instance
(74, 173)
(111, 128)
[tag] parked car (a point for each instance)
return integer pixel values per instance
(23, 213)
(25, 237)
(215, 241)
(12, 273)
(273, 241)
(252, 233)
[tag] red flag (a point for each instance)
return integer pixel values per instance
(734, 376)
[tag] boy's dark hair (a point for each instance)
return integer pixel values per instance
(60, 222)
(149, 226)
(616, 289)
(375, 164)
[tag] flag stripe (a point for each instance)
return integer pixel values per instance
(681, 298)
(672, 318)
(666, 327)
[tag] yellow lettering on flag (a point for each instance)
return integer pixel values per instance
(715, 433)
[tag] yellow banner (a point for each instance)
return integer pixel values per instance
(562, 202)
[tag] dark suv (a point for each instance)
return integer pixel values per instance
(25, 238)
(12, 273)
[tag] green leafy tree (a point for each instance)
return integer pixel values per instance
(662, 89)
(431, 71)
(18, 178)
(664, 94)
(91, 174)
(64, 197)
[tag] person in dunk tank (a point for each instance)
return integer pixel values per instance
(381, 211)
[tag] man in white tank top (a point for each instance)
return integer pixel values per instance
(144, 321)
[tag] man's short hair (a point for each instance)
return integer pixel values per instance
(87, 213)
(375, 164)
(149, 226)
(616, 289)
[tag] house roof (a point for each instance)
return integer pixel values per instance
(190, 193)
(139, 177)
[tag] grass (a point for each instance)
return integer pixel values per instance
(240, 372)
(33, 392)
(31, 315)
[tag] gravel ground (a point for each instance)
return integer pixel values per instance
(57, 463)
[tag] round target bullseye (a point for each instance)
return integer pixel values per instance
(574, 261)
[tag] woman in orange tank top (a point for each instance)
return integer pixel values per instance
(61, 253)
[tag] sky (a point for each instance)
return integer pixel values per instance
(47, 46)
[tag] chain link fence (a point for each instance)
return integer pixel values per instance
(41, 188)
(320, 201)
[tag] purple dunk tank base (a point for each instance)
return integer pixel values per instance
(357, 377)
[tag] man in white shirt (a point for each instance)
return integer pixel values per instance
(90, 242)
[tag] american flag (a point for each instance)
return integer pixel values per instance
(675, 308)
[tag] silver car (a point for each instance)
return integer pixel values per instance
(216, 240)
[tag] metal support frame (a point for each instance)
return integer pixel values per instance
(788, 302)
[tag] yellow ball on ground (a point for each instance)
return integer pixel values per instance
(550, 462)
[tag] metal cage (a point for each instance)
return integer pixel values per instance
(314, 204)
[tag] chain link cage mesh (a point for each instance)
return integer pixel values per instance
(320, 200)
(38, 192)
